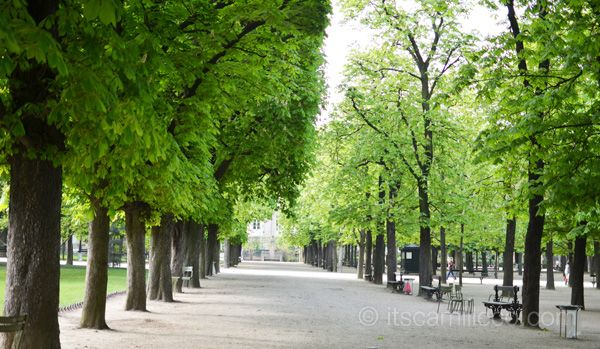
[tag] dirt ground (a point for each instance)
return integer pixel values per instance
(289, 305)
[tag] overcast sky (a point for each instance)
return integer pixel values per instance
(343, 36)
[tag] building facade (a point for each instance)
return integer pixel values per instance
(262, 240)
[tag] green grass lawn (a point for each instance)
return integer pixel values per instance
(72, 283)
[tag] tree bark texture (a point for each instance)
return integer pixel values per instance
(444, 253)
(160, 286)
(369, 262)
(392, 262)
(211, 242)
(577, 270)
(217, 254)
(177, 253)
(203, 251)
(361, 254)
(392, 249)
(33, 249)
(135, 229)
(70, 250)
(226, 253)
(509, 250)
(484, 263)
(425, 263)
(549, 266)
(596, 269)
(96, 276)
(460, 255)
(192, 251)
(469, 257)
(379, 259)
(434, 262)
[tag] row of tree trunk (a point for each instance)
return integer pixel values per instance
(321, 255)
(174, 245)
(350, 256)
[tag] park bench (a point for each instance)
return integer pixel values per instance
(187, 276)
(13, 324)
(394, 285)
(183, 280)
(438, 291)
(501, 302)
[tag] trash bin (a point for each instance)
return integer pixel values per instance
(570, 321)
(408, 285)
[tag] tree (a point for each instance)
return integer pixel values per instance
(36, 128)
(420, 49)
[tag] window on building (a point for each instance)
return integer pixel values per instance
(256, 225)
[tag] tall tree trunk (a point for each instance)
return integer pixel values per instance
(509, 250)
(570, 260)
(531, 274)
(334, 256)
(217, 255)
(192, 251)
(519, 258)
(392, 258)
(425, 263)
(434, 260)
(203, 252)
(135, 229)
(535, 226)
(70, 250)
(160, 286)
(577, 267)
(549, 266)
(325, 249)
(178, 253)
(361, 254)
(33, 249)
(226, 253)
(444, 253)
(470, 267)
(369, 263)
(496, 264)
(392, 262)
(484, 263)
(96, 276)
(596, 269)
(460, 256)
(210, 245)
(379, 259)
(33, 241)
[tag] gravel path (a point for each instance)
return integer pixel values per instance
(287, 305)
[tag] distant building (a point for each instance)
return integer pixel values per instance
(262, 240)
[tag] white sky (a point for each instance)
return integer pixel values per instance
(343, 36)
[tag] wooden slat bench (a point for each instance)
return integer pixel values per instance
(16, 325)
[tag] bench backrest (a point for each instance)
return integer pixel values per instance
(507, 291)
(13, 324)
